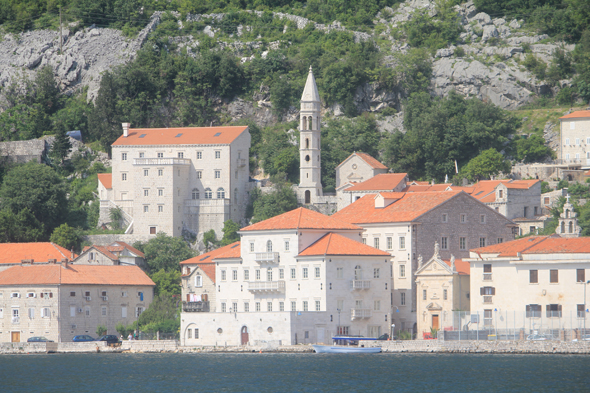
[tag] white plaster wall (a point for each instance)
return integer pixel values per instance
(581, 132)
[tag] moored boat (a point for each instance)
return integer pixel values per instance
(349, 347)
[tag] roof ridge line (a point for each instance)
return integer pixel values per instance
(299, 218)
(58, 250)
(328, 245)
(532, 245)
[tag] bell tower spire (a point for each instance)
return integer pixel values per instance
(310, 181)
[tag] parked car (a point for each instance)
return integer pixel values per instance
(110, 339)
(383, 337)
(83, 338)
(536, 337)
(39, 340)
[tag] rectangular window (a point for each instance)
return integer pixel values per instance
(553, 310)
(500, 240)
(31, 313)
(553, 276)
(286, 245)
(123, 156)
(376, 305)
(217, 174)
(578, 141)
(123, 312)
(317, 272)
(424, 294)
(281, 274)
(246, 307)
(234, 275)
(376, 272)
(141, 155)
(223, 307)
(463, 218)
(123, 177)
(305, 272)
(482, 241)
(402, 271)
(268, 275)
(376, 242)
(580, 275)
(246, 275)
(318, 305)
(180, 154)
(567, 140)
(198, 281)
(72, 311)
(444, 217)
(402, 243)
(217, 154)
(482, 218)
(402, 300)
(189, 333)
(389, 243)
(199, 155)
(444, 245)
(103, 311)
(251, 246)
(257, 275)
(581, 310)
(364, 240)
(293, 306)
(146, 193)
(199, 174)
(160, 172)
(160, 192)
(269, 306)
(305, 306)
(293, 273)
(196, 333)
(533, 311)
(223, 275)
(445, 292)
(146, 209)
(487, 317)
(281, 306)
(339, 272)
(160, 209)
(487, 272)
(462, 243)
(257, 307)
(146, 172)
(160, 155)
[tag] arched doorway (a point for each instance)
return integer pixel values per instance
(307, 197)
(245, 336)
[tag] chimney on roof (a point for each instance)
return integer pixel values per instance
(64, 263)
(26, 261)
(126, 129)
(73, 255)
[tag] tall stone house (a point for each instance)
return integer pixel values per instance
(300, 277)
(407, 224)
(58, 300)
(174, 179)
(574, 147)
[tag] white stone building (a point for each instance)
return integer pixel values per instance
(300, 277)
(537, 282)
(407, 224)
(574, 147)
(383, 182)
(170, 179)
(357, 168)
(59, 301)
(117, 253)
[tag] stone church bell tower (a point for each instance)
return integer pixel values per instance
(310, 181)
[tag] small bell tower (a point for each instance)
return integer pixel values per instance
(310, 180)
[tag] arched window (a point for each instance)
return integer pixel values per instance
(562, 227)
(310, 122)
(358, 272)
(269, 246)
(195, 193)
(307, 158)
(307, 196)
(208, 193)
(304, 125)
(220, 193)
(571, 227)
(307, 143)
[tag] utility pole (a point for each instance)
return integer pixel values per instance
(61, 37)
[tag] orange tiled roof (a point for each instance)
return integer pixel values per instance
(371, 161)
(576, 114)
(336, 244)
(180, 136)
(205, 261)
(461, 266)
(300, 218)
(555, 245)
(484, 190)
(39, 252)
(511, 248)
(106, 179)
(427, 187)
(56, 274)
(121, 245)
(381, 182)
(411, 206)
(104, 250)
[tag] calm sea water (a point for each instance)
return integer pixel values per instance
(293, 373)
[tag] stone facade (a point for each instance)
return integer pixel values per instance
(24, 151)
(574, 148)
(356, 169)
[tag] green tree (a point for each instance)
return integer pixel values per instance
(280, 200)
(67, 237)
(166, 252)
(167, 282)
(61, 146)
(20, 227)
(101, 330)
(162, 315)
(230, 232)
(532, 149)
(39, 189)
(210, 240)
(489, 163)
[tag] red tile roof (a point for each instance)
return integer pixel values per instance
(39, 252)
(114, 247)
(521, 184)
(411, 206)
(380, 182)
(336, 244)
(106, 179)
(180, 136)
(205, 261)
(104, 250)
(427, 187)
(555, 245)
(371, 161)
(56, 274)
(511, 248)
(576, 114)
(300, 218)
(461, 266)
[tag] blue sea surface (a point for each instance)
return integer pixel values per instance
(279, 372)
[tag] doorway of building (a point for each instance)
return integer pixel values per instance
(245, 335)
(15, 337)
(307, 196)
(320, 335)
(435, 321)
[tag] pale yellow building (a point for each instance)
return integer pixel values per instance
(574, 149)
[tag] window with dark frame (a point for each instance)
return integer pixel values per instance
(533, 276)
(553, 276)
(553, 310)
(581, 310)
(533, 311)
(580, 275)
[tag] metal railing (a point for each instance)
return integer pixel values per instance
(487, 299)
(161, 161)
(241, 162)
(487, 276)
(206, 202)
(266, 286)
(360, 284)
(268, 257)
(195, 306)
(356, 313)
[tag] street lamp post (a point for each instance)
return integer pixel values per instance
(392, 330)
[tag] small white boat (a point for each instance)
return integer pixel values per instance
(347, 348)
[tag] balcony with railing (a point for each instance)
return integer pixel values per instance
(487, 299)
(358, 313)
(195, 306)
(360, 284)
(161, 161)
(487, 276)
(266, 286)
(266, 257)
(241, 162)
(16, 320)
(207, 202)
